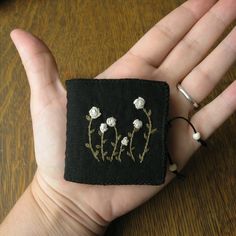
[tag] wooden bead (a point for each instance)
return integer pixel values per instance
(173, 167)
(196, 136)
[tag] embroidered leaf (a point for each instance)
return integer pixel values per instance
(99, 133)
(98, 146)
(128, 154)
(105, 153)
(87, 145)
(129, 134)
(112, 144)
(140, 156)
(122, 149)
(118, 159)
(147, 150)
(149, 112)
(119, 136)
(88, 117)
(91, 131)
(147, 125)
(132, 148)
(145, 136)
(153, 131)
(96, 152)
(104, 141)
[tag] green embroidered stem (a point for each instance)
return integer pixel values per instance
(90, 141)
(130, 145)
(115, 146)
(148, 136)
(121, 150)
(102, 152)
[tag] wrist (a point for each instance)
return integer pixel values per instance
(43, 211)
(61, 215)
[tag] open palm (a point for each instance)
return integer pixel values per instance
(174, 50)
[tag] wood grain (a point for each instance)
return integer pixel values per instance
(86, 36)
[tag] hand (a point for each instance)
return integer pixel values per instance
(174, 50)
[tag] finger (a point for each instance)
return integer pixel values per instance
(201, 81)
(210, 117)
(38, 62)
(162, 37)
(194, 46)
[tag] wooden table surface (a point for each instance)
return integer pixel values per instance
(86, 36)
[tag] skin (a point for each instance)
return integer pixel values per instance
(187, 33)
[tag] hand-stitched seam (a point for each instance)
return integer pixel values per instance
(165, 130)
(123, 80)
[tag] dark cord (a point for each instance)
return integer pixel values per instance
(203, 143)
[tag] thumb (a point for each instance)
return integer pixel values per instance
(39, 64)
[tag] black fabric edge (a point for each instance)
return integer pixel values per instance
(164, 154)
(117, 80)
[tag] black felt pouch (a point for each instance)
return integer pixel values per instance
(116, 131)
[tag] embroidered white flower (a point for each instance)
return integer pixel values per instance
(111, 121)
(139, 103)
(94, 112)
(125, 141)
(137, 124)
(103, 127)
